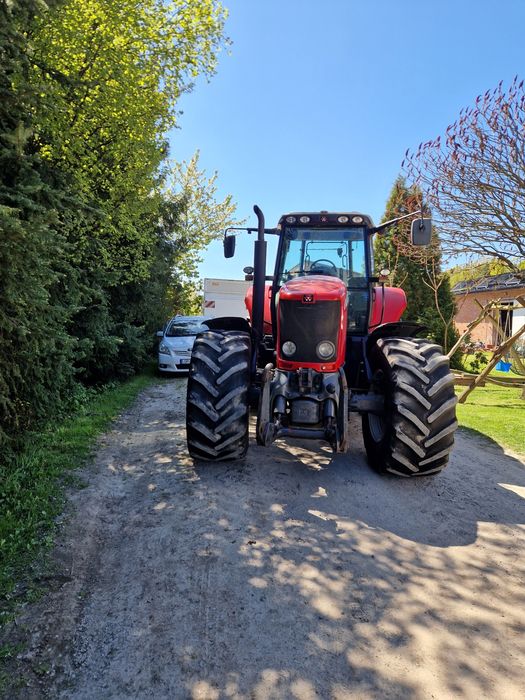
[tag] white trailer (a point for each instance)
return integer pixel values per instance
(225, 298)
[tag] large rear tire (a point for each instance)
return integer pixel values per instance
(217, 404)
(415, 434)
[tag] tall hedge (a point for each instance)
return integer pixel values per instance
(36, 274)
(88, 91)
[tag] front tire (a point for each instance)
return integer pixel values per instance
(415, 434)
(217, 403)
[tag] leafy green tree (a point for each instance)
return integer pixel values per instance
(201, 217)
(479, 268)
(110, 76)
(416, 270)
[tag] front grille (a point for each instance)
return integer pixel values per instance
(307, 325)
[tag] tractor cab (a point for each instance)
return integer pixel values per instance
(329, 245)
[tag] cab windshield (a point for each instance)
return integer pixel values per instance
(333, 252)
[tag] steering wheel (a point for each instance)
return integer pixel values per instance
(312, 271)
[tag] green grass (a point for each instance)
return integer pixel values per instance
(497, 412)
(32, 486)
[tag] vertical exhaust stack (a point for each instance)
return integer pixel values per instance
(259, 277)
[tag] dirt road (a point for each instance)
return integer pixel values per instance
(296, 575)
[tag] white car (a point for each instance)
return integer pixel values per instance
(176, 343)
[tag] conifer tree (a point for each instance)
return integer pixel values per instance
(416, 270)
(35, 350)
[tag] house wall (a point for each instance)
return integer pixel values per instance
(468, 310)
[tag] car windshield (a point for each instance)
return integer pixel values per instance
(178, 329)
(334, 252)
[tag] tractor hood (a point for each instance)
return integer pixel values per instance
(311, 313)
(318, 287)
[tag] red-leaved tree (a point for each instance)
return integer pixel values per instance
(473, 178)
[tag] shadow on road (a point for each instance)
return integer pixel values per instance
(294, 574)
(352, 583)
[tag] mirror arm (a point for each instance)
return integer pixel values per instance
(250, 229)
(381, 227)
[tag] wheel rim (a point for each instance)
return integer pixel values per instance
(377, 427)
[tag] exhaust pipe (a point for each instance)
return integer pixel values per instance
(259, 278)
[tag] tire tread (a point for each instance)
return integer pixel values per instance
(217, 409)
(419, 435)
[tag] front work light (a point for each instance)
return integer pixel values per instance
(325, 349)
(289, 348)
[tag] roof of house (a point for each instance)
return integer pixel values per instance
(489, 283)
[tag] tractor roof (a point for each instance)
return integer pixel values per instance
(326, 217)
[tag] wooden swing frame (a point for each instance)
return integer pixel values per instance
(505, 346)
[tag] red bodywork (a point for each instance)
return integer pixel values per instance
(248, 300)
(388, 304)
(316, 288)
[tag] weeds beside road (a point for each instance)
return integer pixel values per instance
(31, 487)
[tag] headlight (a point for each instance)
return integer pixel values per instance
(325, 349)
(164, 349)
(289, 348)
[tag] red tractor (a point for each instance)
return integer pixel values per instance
(325, 338)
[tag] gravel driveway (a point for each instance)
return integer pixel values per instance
(297, 574)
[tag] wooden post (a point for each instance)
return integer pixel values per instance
(485, 310)
(516, 359)
(493, 362)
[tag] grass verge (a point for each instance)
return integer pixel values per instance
(32, 486)
(497, 412)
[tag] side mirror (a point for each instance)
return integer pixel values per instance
(160, 334)
(229, 246)
(421, 232)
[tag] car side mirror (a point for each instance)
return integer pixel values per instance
(159, 334)
(229, 246)
(421, 232)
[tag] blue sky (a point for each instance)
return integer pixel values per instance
(317, 102)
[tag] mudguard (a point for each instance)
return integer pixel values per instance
(401, 329)
(228, 323)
